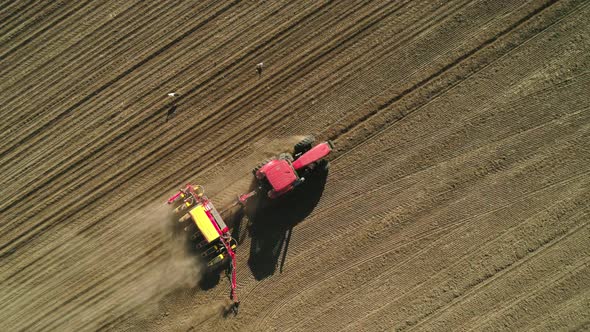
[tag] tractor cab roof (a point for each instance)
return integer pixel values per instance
(279, 173)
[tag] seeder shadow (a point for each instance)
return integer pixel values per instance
(272, 223)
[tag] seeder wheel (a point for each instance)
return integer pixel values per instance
(199, 190)
(184, 218)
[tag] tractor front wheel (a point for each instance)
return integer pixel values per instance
(304, 145)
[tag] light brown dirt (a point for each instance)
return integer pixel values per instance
(458, 196)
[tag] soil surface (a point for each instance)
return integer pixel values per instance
(458, 196)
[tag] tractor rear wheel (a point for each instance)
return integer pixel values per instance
(259, 166)
(304, 145)
(286, 156)
(323, 165)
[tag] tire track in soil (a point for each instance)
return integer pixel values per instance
(371, 59)
(386, 52)
(535, 292)
(556, 278)
(146, 195)
(565, 312)
(498, 271)
(380, 192)
(471, 292)
(468, 120)
(341, 200)
(386, 247)
(446, 233)
(439, 204)
(102, 88)
(403, 114)
(457, 62)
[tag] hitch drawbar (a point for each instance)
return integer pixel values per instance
(227, 240)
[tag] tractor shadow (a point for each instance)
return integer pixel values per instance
(271, 223)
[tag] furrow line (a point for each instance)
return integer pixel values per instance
(385, 251)
(49, 77)
(381, 192)
(51, 26)
(87, 287)
(31, 21)
(469, 146)
(119, 77)
(338, 44)
(101, 69)
(9, 15)
(489, 281)
(478, 282)
(150, 122)
(52, 42)
(455, 63)
(144, 122)
(557, 277)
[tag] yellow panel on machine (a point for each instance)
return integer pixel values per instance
(204, 224)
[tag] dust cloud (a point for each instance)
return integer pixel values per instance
(151, 261)
(120, 271)
(175, 269)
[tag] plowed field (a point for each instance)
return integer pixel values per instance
(458, 197)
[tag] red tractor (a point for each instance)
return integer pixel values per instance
(280, 175)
